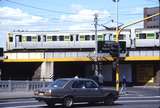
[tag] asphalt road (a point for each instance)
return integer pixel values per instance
(122, 102)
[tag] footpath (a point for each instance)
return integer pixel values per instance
(135, 91)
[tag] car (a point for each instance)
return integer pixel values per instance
(68, 91)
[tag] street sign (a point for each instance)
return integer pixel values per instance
(104, 46)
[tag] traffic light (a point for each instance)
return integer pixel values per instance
(114, 50)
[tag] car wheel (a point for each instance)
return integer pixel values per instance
(109, 100)
(68, 102)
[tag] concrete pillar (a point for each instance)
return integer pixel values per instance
(47, 71)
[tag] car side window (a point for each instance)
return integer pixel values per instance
(78, 84)
(90, 84)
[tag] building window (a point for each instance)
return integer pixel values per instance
(150, 19)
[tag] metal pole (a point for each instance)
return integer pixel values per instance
(159, 30)
(96, 44)
(117, 58)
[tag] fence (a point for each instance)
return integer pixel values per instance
(11, 85)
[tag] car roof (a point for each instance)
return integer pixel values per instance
(74, 79)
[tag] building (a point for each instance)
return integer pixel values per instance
(153, 22)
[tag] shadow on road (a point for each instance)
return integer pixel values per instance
(85, 105)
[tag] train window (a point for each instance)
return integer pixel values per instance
(82, 37)
(44, 38)
(142, 36)
(93, 37)
(77, 37)
(150, 36)
(122, 37)
(157, 35)
(66, 38)
(49, 38)
(87, 37)
(28, 38)
(100, 38)
(54, 38)
(24, 39)
(34, 38)
(137, 36)
(39, 38)
(61, 38)
(10, 39)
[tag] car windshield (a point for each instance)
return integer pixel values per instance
(58, 83)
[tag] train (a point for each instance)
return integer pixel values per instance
(84, 39)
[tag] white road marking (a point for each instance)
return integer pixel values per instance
(27, 106)
(136, 101)
(18, 102)
(144, 97)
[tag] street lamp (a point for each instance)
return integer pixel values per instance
(117, 12)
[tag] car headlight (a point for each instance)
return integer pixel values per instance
(48, 92)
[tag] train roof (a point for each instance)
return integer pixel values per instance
(65, 31)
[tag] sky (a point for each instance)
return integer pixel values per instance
(50, 15)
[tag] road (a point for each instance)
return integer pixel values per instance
(122, 102)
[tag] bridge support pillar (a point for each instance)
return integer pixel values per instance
(47, 71)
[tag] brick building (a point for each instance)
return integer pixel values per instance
(153, 22)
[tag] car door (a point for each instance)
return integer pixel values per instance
(79, 91)
(94, 93)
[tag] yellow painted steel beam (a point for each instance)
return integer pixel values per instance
(142, 58)
(49, 60)
(85, 59)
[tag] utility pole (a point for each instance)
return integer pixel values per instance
(96, 43)
(116, 60)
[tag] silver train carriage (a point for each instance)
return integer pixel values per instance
(62, 40)
(147, 38)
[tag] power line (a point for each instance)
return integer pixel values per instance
(38, 8)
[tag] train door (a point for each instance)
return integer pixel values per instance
(108, 37)
(74, 39)
(18, 38)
